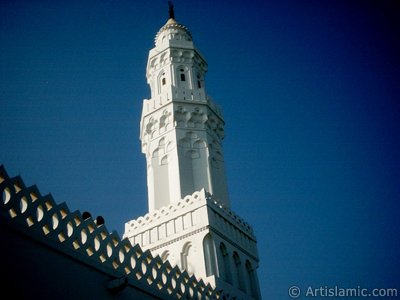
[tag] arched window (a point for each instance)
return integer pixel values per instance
(209, 255)
(187, 258)
(182, 74)
(160, 169)
(252, 280)
(161, 81)
(198, 81)
(238, 271)
(183, 77)
(225, 262)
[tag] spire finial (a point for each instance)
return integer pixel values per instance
(171, 10)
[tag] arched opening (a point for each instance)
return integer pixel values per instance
(159, 163)
(252, 280)
(162, 81)
(238, 271)
(186, 258)
(193, 167)
(199, 82)
(209, 255)
(227, 276)
(183, 77)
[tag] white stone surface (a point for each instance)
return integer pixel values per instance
(190, 234)
(181, 128)
(189, 223)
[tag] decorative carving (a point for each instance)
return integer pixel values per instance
(155, 125)
(170, 29)
(215, 153)
(195, 118)
(216, 126)
(181, 116)
(192, 143)
(150, 126)
(198, 118)
(165, 120)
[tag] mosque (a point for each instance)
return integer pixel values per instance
(190, 245)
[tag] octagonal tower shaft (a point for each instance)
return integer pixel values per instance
(181, 128)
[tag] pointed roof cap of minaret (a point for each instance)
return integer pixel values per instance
(172, 26)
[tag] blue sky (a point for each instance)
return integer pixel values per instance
(309, 91)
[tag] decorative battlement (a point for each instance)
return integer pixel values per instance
(172, 30)
(190, 201)
(165, 211)
(239, 222)
(79, 235)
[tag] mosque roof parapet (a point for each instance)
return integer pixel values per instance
(87, 239)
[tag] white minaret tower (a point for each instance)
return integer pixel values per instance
(189, 223)
(181, 128)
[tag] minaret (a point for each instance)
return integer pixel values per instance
(189, 221)
(181, 128)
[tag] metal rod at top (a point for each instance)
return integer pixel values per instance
(171, 10)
